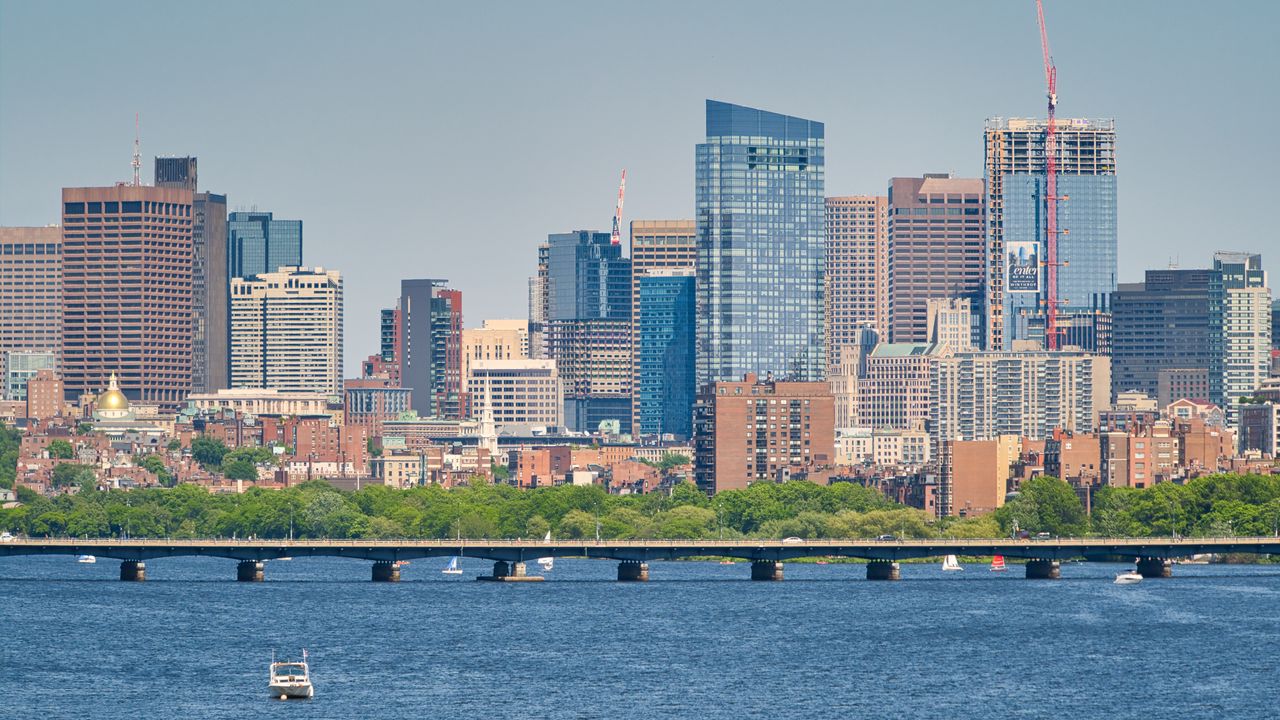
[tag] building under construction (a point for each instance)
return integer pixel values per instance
(1017, 200)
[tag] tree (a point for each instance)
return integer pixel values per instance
(208, 452)
(671, 460)
(240, 469)
(67, 474)
(61, 449)
(174, 445)
(1045, 504)
(155, 465)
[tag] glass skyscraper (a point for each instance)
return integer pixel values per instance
(664, 356)
(761, 245)
(258, 243)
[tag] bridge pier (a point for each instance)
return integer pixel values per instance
(504, 571)
(250, 571)
(1155, 567)
(1043, 570)
(386, 571)
(883, 570)
(633, 571)
(133, 571)
(766, 570)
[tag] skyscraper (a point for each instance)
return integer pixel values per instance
(664, 374)
(430, 354)
(210, 360)
(588, 327)
(936, 250)
(258, 243)
(857, 273)
(1161, 324)
(656, 246)
(126, 259)
(30, 291)
(1015, 303)
(286, 331)
(1240, 330)
(761, 245)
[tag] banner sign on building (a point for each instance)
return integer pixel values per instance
(1022, 273)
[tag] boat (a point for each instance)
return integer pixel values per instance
(284, 559)
(453, 568)
(997, 564)
(728, 562)
(86, 559)
(547, 562)
(290, 680)
(823, 562)
(951, 564)
(1128, 578)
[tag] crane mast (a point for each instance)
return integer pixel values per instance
(1051, 187)
(617, 212)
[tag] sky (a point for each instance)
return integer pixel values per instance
(447, 139)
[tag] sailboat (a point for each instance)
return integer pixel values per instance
(453, 568)
(997, 563)
(547, 562)
(951, 564)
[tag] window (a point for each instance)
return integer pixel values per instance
(76, 208)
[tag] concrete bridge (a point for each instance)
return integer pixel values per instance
(1153, 556)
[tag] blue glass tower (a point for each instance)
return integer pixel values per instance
(258, 243)
(761, 245)
(664, 331)
(1087, 252)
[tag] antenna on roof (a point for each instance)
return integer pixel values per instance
(137, 149)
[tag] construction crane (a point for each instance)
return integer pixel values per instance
(617, 212)
(1051, 188)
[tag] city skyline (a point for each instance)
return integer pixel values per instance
(274, 161)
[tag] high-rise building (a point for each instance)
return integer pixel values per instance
(22, 365)
(210, 362)
(45, 396)
(431, 347)
(656, 245)
(258, 243)
(760, 431)
(1163, 323)
(30, 290)
(1015, 226)
(538, 299)
(857, 273)
(664, 367)
(372, 401)
(126, 261)
(494, 340)
(936, 250)
(385, 364)
(516, 391)
(588, 327)
(286, 331)
(1240, 330)
(761, 245)
(952, 322)
(1275, 324)
(893, 386)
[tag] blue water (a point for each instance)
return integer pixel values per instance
(698, 641)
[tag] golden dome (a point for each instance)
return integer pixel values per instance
(112, 399)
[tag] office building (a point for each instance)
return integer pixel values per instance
(664, 371)
(494, 340)
(516, 391)
(1015, 226)
(20, 366)
(210, 363)
(760, 204)
(1260, 420)
(258, 243)
(538, 299)
(126, 261)
(656, 245)
(372, 401)
(1163, 323)
(857, 271)
(936, 250)
(588, 328)
(1240, 330)
(45, 396)
(430, 353)
(30, 290)
(286, 331)
(761, 431)
(1174, 384)
(893, 386)
(952, 322)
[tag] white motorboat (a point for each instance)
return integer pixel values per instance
(290, 680)
(86, 559)
(547, 562)
(951, 564)
(1128, 578)
(453, 568)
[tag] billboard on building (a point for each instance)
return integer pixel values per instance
(1022, 270)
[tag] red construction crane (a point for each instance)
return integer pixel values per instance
(617, 212)
(1051, 188)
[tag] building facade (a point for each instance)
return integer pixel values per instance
(656, 245)
(517, 391)
(22, 365)
(1161, 324)
(126, 260)
(372, 401)
(936, 250)
(30, 290)
(760, 203)
(495, 340)
(286, 331)
(1014, 173)
(1240, 330)
(259, 243)
(893, 386)
(857, 270)
(664, 337)
(430, 355)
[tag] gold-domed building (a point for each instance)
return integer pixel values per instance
(112, 404)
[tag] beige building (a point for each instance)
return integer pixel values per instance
(286, 331)
(518, 391)
(656, 246)
(893, 389)
(951, 323)
(263, 401)
(857, 278)
(30, 290)
(494, 340)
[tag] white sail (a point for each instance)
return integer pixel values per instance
(547, 562)
(951, 563)
(453, 568)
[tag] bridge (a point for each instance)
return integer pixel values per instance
(1153, 556)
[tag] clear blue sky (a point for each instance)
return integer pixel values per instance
(423, 139)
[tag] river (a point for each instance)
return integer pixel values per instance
(698, 641)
